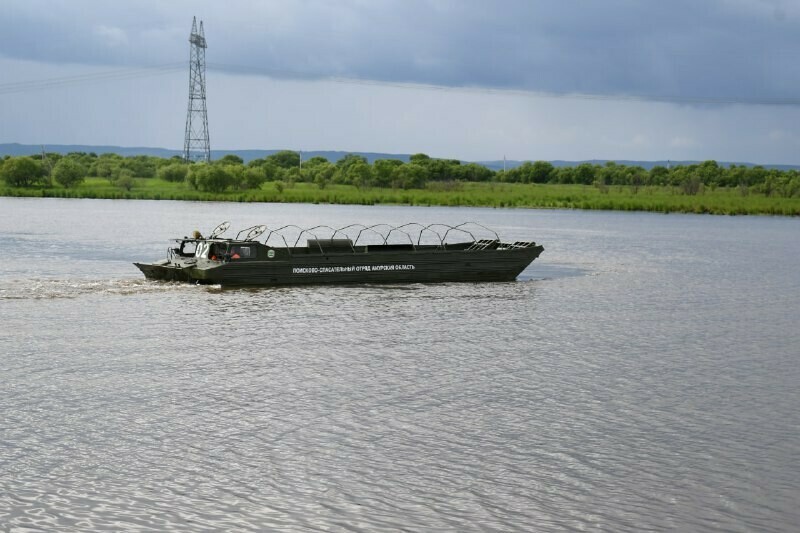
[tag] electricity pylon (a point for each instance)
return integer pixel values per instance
(196, 146)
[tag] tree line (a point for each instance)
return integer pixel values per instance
(285, 168)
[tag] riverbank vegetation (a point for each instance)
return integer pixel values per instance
(700, 188)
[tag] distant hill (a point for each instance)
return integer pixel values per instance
(15, 149)
(498, 165)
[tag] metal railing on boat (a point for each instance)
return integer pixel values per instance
(438, 234)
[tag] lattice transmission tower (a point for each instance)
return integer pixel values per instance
(196, 146)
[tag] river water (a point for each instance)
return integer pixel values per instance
(642, 374)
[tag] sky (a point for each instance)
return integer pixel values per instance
(467, 79)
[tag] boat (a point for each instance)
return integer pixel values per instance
(409, 253)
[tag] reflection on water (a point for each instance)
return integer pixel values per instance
(640, 375)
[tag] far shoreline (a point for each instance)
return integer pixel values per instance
(720, 201)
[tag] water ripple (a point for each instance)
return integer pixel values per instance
(645, 380)
(49, 289)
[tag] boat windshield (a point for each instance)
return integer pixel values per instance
(187, 249)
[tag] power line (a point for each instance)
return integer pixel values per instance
(157, 70)
(712, 100)
(91, 77)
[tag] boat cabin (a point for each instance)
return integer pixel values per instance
(226, 250)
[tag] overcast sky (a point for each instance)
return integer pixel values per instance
(475, 80)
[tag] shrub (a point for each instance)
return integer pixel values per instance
(209, 178)
(285, 159)
(254, 177)
(68, 173)
(105, 168)
(21, 172)
(231, 159)
(192, 174)
(175, 172)
(125, 182)
(141, 165)
(410, 176)
(236, 178)
(691, 185)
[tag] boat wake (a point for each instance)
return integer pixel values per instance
(50, 289)
(545, 271)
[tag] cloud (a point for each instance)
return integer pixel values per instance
(111, 36)
(257, 112)
(681, 48)
(784, 137)
(453, 78)
(683, 142)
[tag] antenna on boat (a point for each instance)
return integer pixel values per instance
(219, 230)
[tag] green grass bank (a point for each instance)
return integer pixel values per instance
(662, 199)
